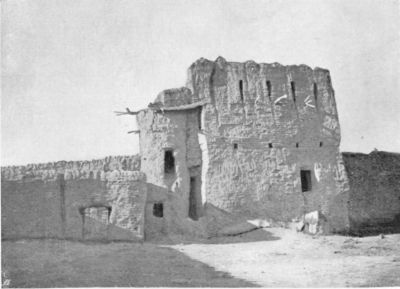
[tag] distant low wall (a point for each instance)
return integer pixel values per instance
(76, 204)
(374, 198)
(77, 169)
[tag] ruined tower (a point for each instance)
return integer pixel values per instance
(246, 139)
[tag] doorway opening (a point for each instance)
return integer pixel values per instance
(194, 199)
(95, 221)
(305, 176)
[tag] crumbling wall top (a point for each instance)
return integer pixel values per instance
(220, 61)
(201, 73)
(100, 168)
(174, 97)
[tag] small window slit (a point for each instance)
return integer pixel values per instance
(269, 88)
(241, 90)
(293, 87)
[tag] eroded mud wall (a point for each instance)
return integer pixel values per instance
(374, 199)
(263, 124)
(76, 205)
(76, 168)
(174, 133)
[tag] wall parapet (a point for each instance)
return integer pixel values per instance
(94, 169)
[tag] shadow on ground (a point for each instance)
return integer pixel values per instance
(257, 235)
(55, 263)
(372, 229)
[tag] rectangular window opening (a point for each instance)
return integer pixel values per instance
(293, 87)
(169, 162)
(297, 145)
(269, 88)
(235, 146)
(321, 143)
(241, 89)
(305, 176)
(158, 210)
(270, 145)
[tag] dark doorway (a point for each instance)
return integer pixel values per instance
(193, 213)
(305, 176)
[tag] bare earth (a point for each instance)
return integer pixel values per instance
(267, 257)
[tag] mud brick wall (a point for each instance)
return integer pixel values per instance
(30, 209)
(242, 133)
(374, 198)
(76, 205)
(83, 169)
(262, 125)
(176, 132)
(123, 192)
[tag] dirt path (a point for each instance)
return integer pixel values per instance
(297, 260)
(271, 257)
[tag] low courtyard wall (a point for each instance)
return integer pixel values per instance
(374, 196)
(72, 203)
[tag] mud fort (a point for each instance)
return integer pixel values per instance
(241, 143)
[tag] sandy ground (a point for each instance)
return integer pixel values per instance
(273, 257)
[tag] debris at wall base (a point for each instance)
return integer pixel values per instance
(313, 223)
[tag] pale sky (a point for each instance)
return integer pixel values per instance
(67, 65)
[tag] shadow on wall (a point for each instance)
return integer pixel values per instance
(81, 209)
(96, 226)
(157, 212)
(373, 228)
(54, 263)
(92, 210)
(92, 230)
(374, 196)
(219, 225)
(224, 227)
